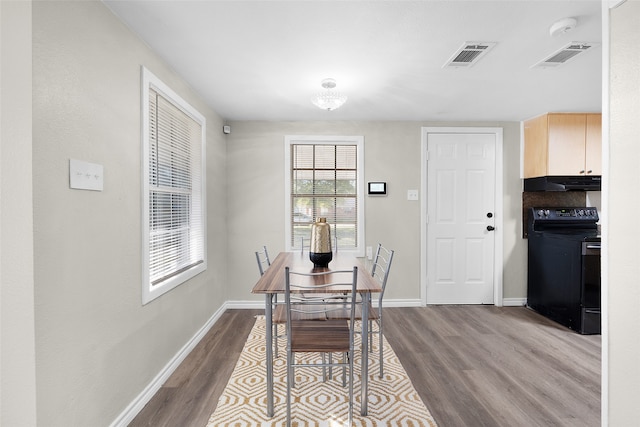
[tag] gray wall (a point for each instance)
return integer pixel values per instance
(17, 340)
(256, 171)
(622, 234)
(97, 347)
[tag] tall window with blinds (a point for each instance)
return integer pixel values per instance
(174, 236)
(325, 182)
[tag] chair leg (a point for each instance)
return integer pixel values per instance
(275, 327)
(324, 368)
(289, 385)
(293, 371)
(371, 336)
(344, 369)
(380, 358)
(275, 339)
(350, 416)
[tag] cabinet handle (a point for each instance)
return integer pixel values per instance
(589, 171)
(581, 172)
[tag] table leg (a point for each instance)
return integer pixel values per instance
(366, 297)
(268, 307)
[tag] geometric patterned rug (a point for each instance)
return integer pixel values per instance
(393, 401)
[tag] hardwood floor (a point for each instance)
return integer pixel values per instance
(471, 365)
(189, 396)
(497, 366)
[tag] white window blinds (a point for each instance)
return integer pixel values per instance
(175, 228)
(324, 183)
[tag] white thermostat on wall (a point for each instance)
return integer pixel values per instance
(378, 188)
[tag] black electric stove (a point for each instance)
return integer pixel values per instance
(563, 278)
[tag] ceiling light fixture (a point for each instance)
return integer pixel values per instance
(329, 99)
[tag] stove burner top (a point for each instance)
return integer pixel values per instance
(554, 219)
(565, 215)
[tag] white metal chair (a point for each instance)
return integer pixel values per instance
(380, 271)
(315, 336)
(262, 257)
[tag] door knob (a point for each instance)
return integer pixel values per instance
(489, 214)
(490, 228)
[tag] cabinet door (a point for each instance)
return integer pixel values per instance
(567, 133)
(535, 147)
(593, 149)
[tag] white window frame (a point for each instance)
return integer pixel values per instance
(290, 140)
(152, 291)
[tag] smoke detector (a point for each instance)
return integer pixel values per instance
(563, 26)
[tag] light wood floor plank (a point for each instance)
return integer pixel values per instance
(505, 366)
(472, 366)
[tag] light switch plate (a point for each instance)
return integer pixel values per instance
(412, 194)
(85, 175)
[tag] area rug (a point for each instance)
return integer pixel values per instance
(393, 401)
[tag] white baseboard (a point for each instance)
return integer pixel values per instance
(244, 305)
(514, 302)
(399, 302)
(152, 388)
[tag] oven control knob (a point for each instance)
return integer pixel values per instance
(546, 212)
(581, 212)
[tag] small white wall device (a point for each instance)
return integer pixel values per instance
(378, 188)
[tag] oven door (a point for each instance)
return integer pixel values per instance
(590, 296)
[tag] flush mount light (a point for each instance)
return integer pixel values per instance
(563, 26)
(329, 99)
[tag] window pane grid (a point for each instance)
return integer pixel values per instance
(324, 184)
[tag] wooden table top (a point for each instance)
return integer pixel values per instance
(273, 280)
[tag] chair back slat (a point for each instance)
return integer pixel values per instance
(382, 266)
(262, 257)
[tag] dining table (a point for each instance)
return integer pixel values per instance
(272, 283)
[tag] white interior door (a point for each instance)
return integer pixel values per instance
(461, 217)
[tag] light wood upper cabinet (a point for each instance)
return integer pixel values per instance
(593, 149)
(563, 144)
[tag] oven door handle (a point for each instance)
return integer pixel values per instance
(592, 249)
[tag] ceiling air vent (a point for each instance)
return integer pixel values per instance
(565, 54)
(468, 54)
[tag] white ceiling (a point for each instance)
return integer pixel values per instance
(263, 60)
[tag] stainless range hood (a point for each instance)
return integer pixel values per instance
(563, 183)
